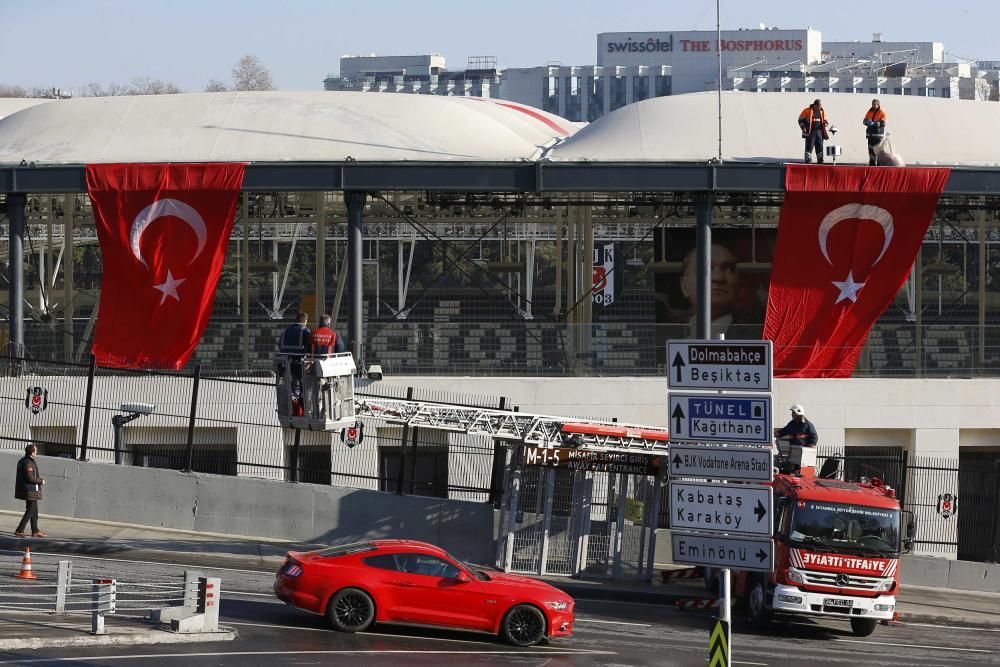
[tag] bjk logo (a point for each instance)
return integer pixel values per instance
(37, 399)
(947, 505)
(352, 435)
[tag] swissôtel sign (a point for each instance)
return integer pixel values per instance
(669, 44)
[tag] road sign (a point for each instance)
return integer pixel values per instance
(723, 551)
(633, 463)
(735, 464)
(726, 508)
(719, 364)
(730, 418)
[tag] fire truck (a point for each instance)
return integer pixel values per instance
(837, 546)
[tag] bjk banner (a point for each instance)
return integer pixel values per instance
(847, 239)
(163, 231)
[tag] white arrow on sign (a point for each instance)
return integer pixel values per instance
(720, 364)
(725, 551)
(743, 419)
(725, 508)
(735, 464)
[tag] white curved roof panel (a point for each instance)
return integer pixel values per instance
(763, 127)
(10, 105)
(276, 127)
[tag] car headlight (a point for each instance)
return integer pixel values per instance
(887, 585)
(883, 607)
(559, 605)
(795, 576)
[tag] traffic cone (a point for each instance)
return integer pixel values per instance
(26, 572)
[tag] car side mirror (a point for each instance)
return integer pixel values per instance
(462, 578)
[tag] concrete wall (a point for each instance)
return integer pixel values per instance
(253, 507)
(945, 573)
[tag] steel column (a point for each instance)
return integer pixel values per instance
(355, 201)
(68, 276)
(320, 211)
(981, 218)
(15, 216)
(703, 215)
(245, 280)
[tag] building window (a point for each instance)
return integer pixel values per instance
(640, 88)
(897, 91)
(907, 91)
(550, 94)
(836, 90)
(825, 89)
(883, 91)
(427, 474)
(873, 91)
(932, 92)
(802, 90)
(573, 105)
(595, 105)
(664, 85)
(946, 92)
(921, 91)
(618, 98)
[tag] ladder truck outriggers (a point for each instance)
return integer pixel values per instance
(837, 546)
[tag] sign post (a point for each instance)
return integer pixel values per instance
(725, 439)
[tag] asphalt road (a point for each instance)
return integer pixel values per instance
(607, 634)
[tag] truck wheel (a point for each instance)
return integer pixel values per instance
(760, 615)
(862, 627)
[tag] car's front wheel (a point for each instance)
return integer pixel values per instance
(523, 625)
(351, 610)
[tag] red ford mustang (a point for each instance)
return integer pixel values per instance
(400, 581)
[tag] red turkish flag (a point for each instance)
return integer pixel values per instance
(163, 230)
(847, 239)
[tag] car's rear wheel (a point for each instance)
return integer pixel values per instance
(351, 610)
(523, 625)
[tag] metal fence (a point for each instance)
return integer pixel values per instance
(228, 426)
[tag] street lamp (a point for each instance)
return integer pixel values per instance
(135, 411)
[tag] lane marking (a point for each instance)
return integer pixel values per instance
(630, 604)
(146, 656)
(949, 627)
(594, 620)
(936, 648)
(263, 595)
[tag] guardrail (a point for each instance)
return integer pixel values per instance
(191, 605)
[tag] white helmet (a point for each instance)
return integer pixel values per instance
(798, 410)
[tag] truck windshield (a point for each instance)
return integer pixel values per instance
(853, 528)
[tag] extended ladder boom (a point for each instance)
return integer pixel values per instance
(538, 430)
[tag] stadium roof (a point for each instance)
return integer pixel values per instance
(9, 105)
(762, 127)
(277, 127)
(371, 142)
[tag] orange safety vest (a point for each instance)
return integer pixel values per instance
(807, 115)
(876, 116)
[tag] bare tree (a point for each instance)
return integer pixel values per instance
(250, 74)
(13, 91)
(215, 86)
(146, 86)
(984, 90)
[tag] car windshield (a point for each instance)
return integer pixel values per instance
(846, 528)
(477, 573)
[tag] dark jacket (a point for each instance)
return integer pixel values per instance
(800, 433)
(295, 340)
(28, 485)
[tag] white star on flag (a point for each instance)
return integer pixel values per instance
(169, 287)
(848, 288)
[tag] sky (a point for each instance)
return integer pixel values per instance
(70, 43)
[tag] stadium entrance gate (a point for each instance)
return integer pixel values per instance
(580, 512)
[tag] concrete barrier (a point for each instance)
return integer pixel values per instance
(248, 507)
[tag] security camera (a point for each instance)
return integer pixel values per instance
(374, 372)
(833, 129)
(138, 408)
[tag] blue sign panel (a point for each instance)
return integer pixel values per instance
(730, 418)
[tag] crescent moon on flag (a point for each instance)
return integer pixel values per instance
(159, 209)
(859, 212)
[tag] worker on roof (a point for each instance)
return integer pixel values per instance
(799, 430)
(812, 122)
(875, 123)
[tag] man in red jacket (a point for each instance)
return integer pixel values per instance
(324, 340)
